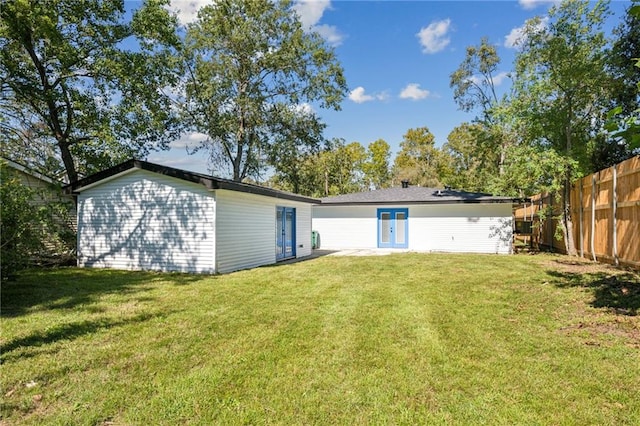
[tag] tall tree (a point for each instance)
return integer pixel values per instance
(250, 63)
(470, 163)
(561, 82)
(624, 118)
(474, 84)
(418, 160)
(76, 75)
(623, 62)
(295, 140)
(376, 167)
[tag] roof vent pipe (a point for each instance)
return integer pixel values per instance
(405, 183)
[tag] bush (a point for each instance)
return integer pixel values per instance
(31, 230)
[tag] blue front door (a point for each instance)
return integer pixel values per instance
(285, 232)
(393, 228)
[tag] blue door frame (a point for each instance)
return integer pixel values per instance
(285, 232)
(393, 228)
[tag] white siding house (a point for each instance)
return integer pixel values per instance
(140, 215)
(415, 218)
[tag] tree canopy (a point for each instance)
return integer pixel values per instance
(252, 74)
(70, 82)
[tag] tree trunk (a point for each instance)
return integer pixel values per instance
(68, 162)
(569, 243)
(568, 231)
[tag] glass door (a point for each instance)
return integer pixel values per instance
(285, 232)
(393, 228)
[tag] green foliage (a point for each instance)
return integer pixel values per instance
(474, 80)
(418, 160)
(34, 226)
(376, 167)
(19, 237)
(529, 170)
(251, 70)
(69, 82)
(562, 89)
(469, 162)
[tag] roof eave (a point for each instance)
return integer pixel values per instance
(210, 183)
(414, 202)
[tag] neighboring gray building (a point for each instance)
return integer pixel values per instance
(415, 218)
(140, 215)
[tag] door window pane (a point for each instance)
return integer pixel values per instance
(288, 244)
(400, 227)
(385, 227)
(279, 232)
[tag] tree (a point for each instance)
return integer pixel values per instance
(376, 167)
(470, 163)
(296, 139)
(624, 118)
(561, 80)
(418, 160)
(622, 62)
(68, 79)
(474, 84)
(250, 65)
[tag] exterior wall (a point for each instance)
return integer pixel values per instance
(346, 227)
(246, 226)
(464, 228)
(143, 220)
(469, 228)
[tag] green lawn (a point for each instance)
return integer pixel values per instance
(401, 339)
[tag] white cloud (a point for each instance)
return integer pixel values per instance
(189, 140)
(187, 10)
(329, 33)
(516, 36)
(532, 4)
(498, 79)
(310, 13)
(358, 95)
(414, 92)
(433, 37)
(304, 108)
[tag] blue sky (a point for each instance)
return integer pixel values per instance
(397, 57)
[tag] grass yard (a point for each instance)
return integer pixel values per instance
(400, 339)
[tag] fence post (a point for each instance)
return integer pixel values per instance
(614, 221)
(580, 218)
(593, 216)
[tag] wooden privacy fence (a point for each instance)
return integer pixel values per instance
(605, 210)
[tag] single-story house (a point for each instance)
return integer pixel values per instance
(140, 215)
(415, 218)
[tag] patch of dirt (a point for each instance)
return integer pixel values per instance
(614, 293)
(600, 331)
(577, 265)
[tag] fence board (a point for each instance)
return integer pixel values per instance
(594, 215)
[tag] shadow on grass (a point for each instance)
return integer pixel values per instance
(68, 288)
(66, 332)
(619, 293)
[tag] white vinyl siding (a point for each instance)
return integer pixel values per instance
(247, 229)
(143, 220)
(470, 228)
(346, 227)
(464, 228)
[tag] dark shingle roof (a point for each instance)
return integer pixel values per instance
(415, 195)
(209, 182)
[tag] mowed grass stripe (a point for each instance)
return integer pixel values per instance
(400, 339)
